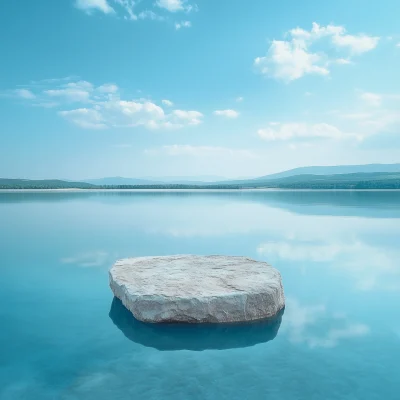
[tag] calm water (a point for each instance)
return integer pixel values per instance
(63, 337)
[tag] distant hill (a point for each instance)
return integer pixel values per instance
(375, 180)
(42, 184)
(333, 170)
(354, 180)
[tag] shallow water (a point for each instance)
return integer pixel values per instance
(63, 336)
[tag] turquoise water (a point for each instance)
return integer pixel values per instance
(63, 336)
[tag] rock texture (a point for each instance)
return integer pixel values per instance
(197, 289)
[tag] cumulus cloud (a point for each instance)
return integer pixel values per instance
(100, 107)
(133, 10)
(91, 5)
(356, 44)
(72, 92)
(149, 14)
(191, 117)
(170, 5)
(290, 60)
(175, 5)
(287, 131)
(125, 113)
(85, 118)
(226, 113)
(293, 58)
(128, 6)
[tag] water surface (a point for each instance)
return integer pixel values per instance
(63, 336)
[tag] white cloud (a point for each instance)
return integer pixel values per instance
(72, 92)
(289, 131)
(191, 117)
(317, 32)
(131, 113)
(90, 5)
(24, 94)
(292, 59)
(128, 6)
(289, 61)
(127, 9)
(183, 24)
(200, 151)
(343, 61)
(176, 5)
(171, 5)
(85, 118)
(148, 14)
(356, 44)
(104, 106)
(372, 99)
(226, 113)
(398, 44)
(108, 88)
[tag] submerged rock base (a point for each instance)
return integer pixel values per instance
(197, 289)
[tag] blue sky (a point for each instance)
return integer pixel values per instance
(92, 88)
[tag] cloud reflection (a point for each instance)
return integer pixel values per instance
(371, 267)
(314, 326)
(90, 259)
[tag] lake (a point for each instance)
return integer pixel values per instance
(63, 336)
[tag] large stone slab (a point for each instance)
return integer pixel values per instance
(197, 289)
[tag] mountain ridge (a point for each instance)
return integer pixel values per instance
(371, 176)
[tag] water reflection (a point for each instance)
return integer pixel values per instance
(316, 326)
(196, 337)
(380, 204)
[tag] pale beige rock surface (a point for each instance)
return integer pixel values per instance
(197, 289)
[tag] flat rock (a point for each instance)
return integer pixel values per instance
(197, 289)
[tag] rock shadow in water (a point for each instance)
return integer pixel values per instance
(196, 337)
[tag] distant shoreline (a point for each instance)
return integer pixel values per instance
(77, 190)
(304, 182)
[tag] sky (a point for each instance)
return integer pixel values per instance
(94, 88)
